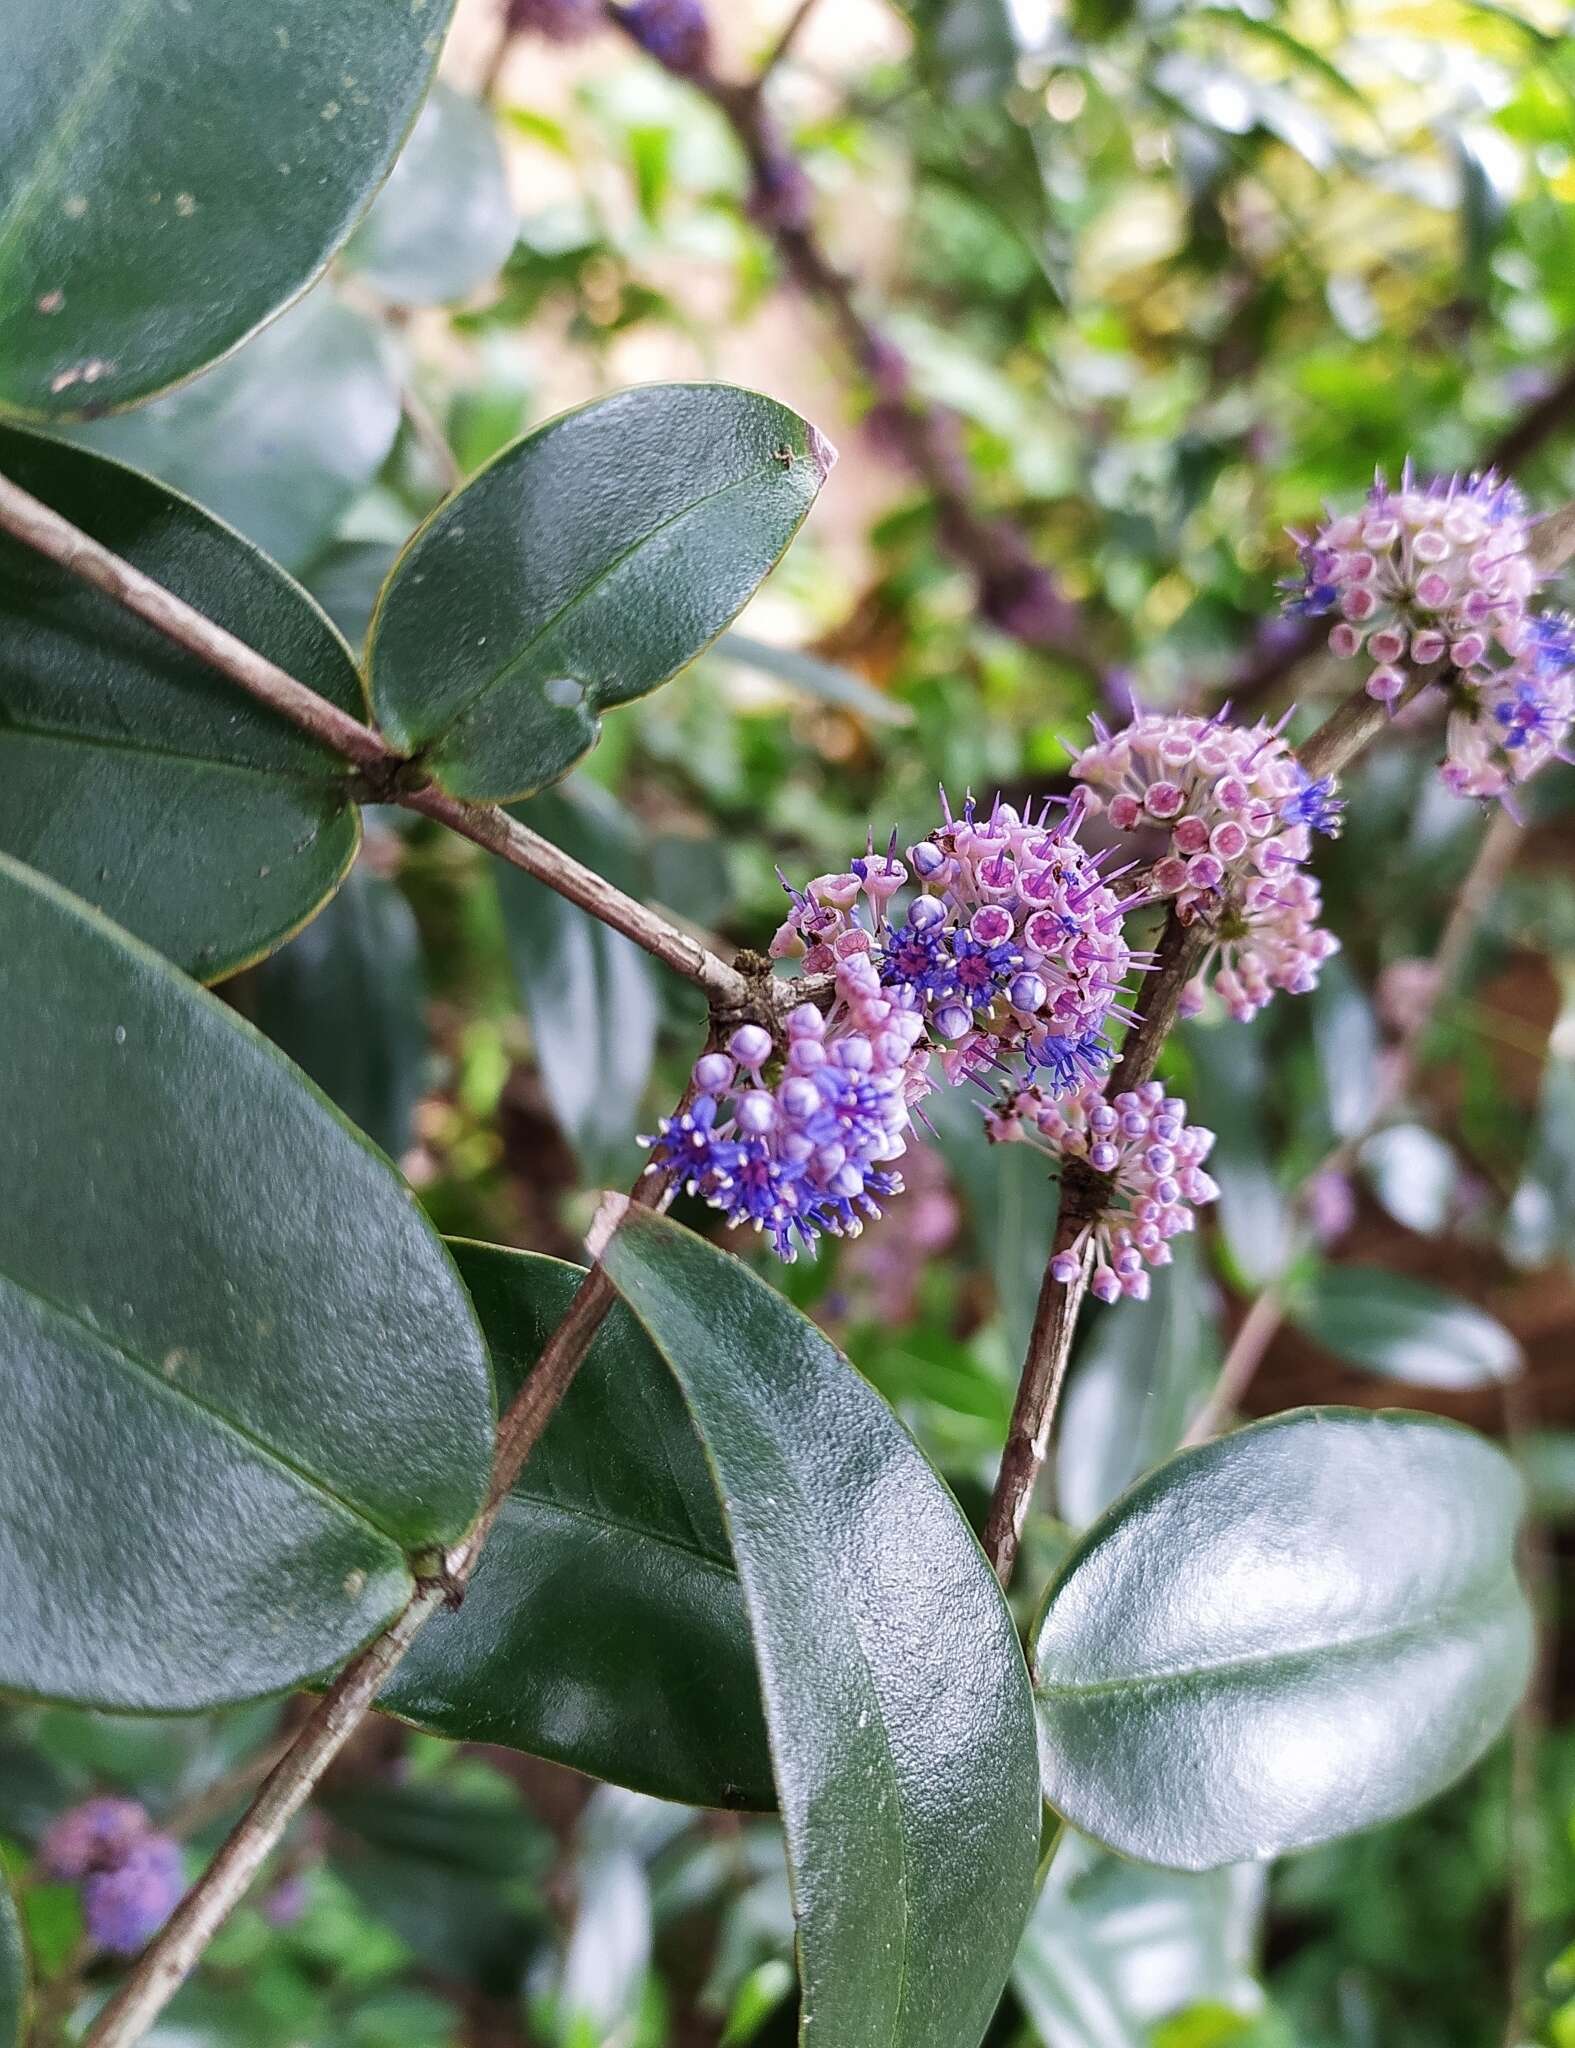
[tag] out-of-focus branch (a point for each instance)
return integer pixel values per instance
(1016, 591)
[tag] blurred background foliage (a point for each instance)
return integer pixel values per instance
(1168, 276)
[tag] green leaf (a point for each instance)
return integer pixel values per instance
(137, 775)
(812, 677)
(242, 1378)
(1144, 1369)
(444, 224)
(1345, 1036)
(590, 994)
(1228, 1090)
(1403, 1328)
(1229, 1665)
(347, 1002)
(279, 439)
(13, 1971)
(900, 1730)
(604, 1627)
(1012, 1203)
(1541, 1221)
(581, 568)
(1414, 1173)
(174, 175)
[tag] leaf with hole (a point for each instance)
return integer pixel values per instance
(137, 775)
(1309, 1626)
(346, 1000)
(173, 175)
(243, 1383)
(444, 223)
(279, 439)
(582, 567)
(591, 995)
(604, 1627)
(1403, 1329)
(901, 1731)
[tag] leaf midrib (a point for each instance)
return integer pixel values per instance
(335, 776)
(581, 596)
(117, 1350)
(519, 1497)
(1439, 1618)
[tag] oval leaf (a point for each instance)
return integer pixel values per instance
(278, 440)
(1404, 1329)
(241, 1376)
(346, 1001)
(581, 568)
(13, 1971)
(135, 774)
(604, 1627)
(173, 175)
(1306, 1627)
(444, 223)
(900, 1726)
(591, 994)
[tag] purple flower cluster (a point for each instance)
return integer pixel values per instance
(1155, 1159)
(1443, 572)
(1012, 945)
(131, 1876)
(1241, 812)
(808, 1148)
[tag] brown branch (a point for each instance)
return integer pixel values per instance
(389, 776)
(1344, 735)
(782, 47)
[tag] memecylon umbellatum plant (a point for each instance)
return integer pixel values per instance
(1442, 574)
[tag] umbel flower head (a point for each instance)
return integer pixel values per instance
(1012, 943)
(1234, 800)
(1155, 1159)
(1442, 573)
(1266, 939)
(803, 1145)
(131, 1875)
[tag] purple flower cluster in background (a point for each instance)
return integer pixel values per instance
(1443, 573)
(675, 32)
(1155, 1157)
(1240, 812)
(130, 1875)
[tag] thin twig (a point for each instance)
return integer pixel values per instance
(1485, 877)
(390, 776)
(782, 47)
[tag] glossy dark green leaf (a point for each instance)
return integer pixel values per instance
(444, 223)
(1414, 1173)
(591, 995)
(604, 1627)
(900, 1727)
(346, 1000)
(13, 1971)
(279, 439)
(581, 568)
(1301, 1629)
(1403, 1328)
(1345, 1036)
(135, 774)
(173, 175)
(242, 1379)
(1144, 1370)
